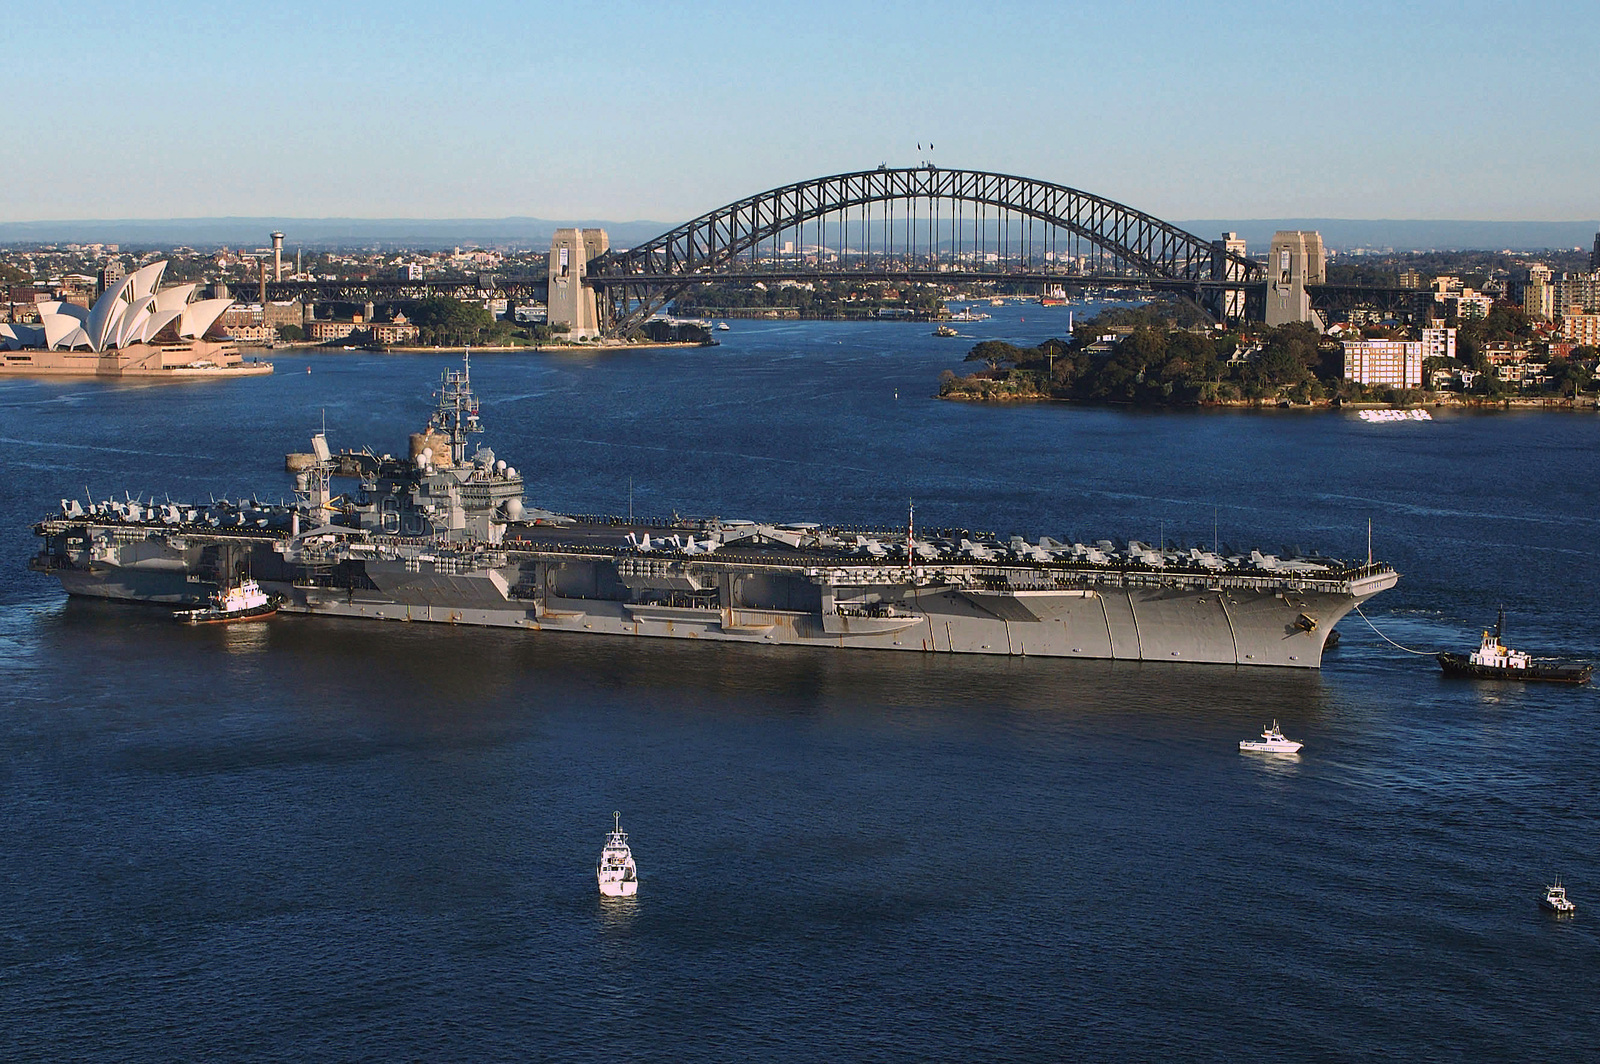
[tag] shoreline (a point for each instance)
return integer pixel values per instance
(1443, 400)
(321, 349)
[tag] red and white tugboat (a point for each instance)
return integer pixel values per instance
(244, 601)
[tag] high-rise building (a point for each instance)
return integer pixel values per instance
(1594, 256)
(1392, 363)
(111, 273)
(1538, 301)
(1576, 290)
(1233, 301)
(1438, 343)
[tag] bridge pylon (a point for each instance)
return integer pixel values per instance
(573, 303)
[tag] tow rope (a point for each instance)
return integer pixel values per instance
(1391, 642)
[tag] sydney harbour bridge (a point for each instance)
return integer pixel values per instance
(911, 224)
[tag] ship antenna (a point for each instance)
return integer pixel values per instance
(911, 535)
(616, 820)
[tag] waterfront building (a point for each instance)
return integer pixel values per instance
(280, 313)
(246, 323)
(1387, 363)
(1509, 360)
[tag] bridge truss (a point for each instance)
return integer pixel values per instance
(954, 226)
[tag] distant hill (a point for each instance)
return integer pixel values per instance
(1399, 234)
(434, 233)
(319, 233)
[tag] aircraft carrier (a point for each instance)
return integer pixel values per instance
(443, 535)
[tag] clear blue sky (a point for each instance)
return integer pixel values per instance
(664, 110)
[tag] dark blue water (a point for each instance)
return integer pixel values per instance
(336, 840)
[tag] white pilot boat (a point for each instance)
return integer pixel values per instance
(616, 872)
(1272, 741)
(243, 601)
(1555, 899)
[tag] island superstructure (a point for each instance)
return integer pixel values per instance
(444, 535)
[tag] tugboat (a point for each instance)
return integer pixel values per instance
(1495, 661)
(945, 330)
(616, 872)
(245, 601)
(1272, 741)
(1555, 899)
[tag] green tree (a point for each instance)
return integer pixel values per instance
(995, 353)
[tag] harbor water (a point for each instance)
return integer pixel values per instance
(316, 839)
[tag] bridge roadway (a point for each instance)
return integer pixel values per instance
(1324, 297)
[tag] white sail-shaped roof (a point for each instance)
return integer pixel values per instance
(198, 317)
(14, 337)
(147, 279)
(158, 321)
(107, 313)
(60, 330)
(133, 318)
(56, 306)
(175, 297)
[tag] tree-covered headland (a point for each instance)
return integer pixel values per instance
(1169, 354)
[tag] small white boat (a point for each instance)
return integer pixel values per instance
(1272, 741)
(722, 326)
(618, 876)
(1555, 899)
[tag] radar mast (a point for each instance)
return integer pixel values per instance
(457, 414)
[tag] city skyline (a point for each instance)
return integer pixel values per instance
(400, 111)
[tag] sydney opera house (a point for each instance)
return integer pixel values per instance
(135, 329)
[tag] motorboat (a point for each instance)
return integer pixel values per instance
(945, 330)
(244, 601)
(1493, 660)
(722, 326)
(617, 874)
(1555, 900)
(1272, 741)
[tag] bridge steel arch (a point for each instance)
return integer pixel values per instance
(640, 281)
